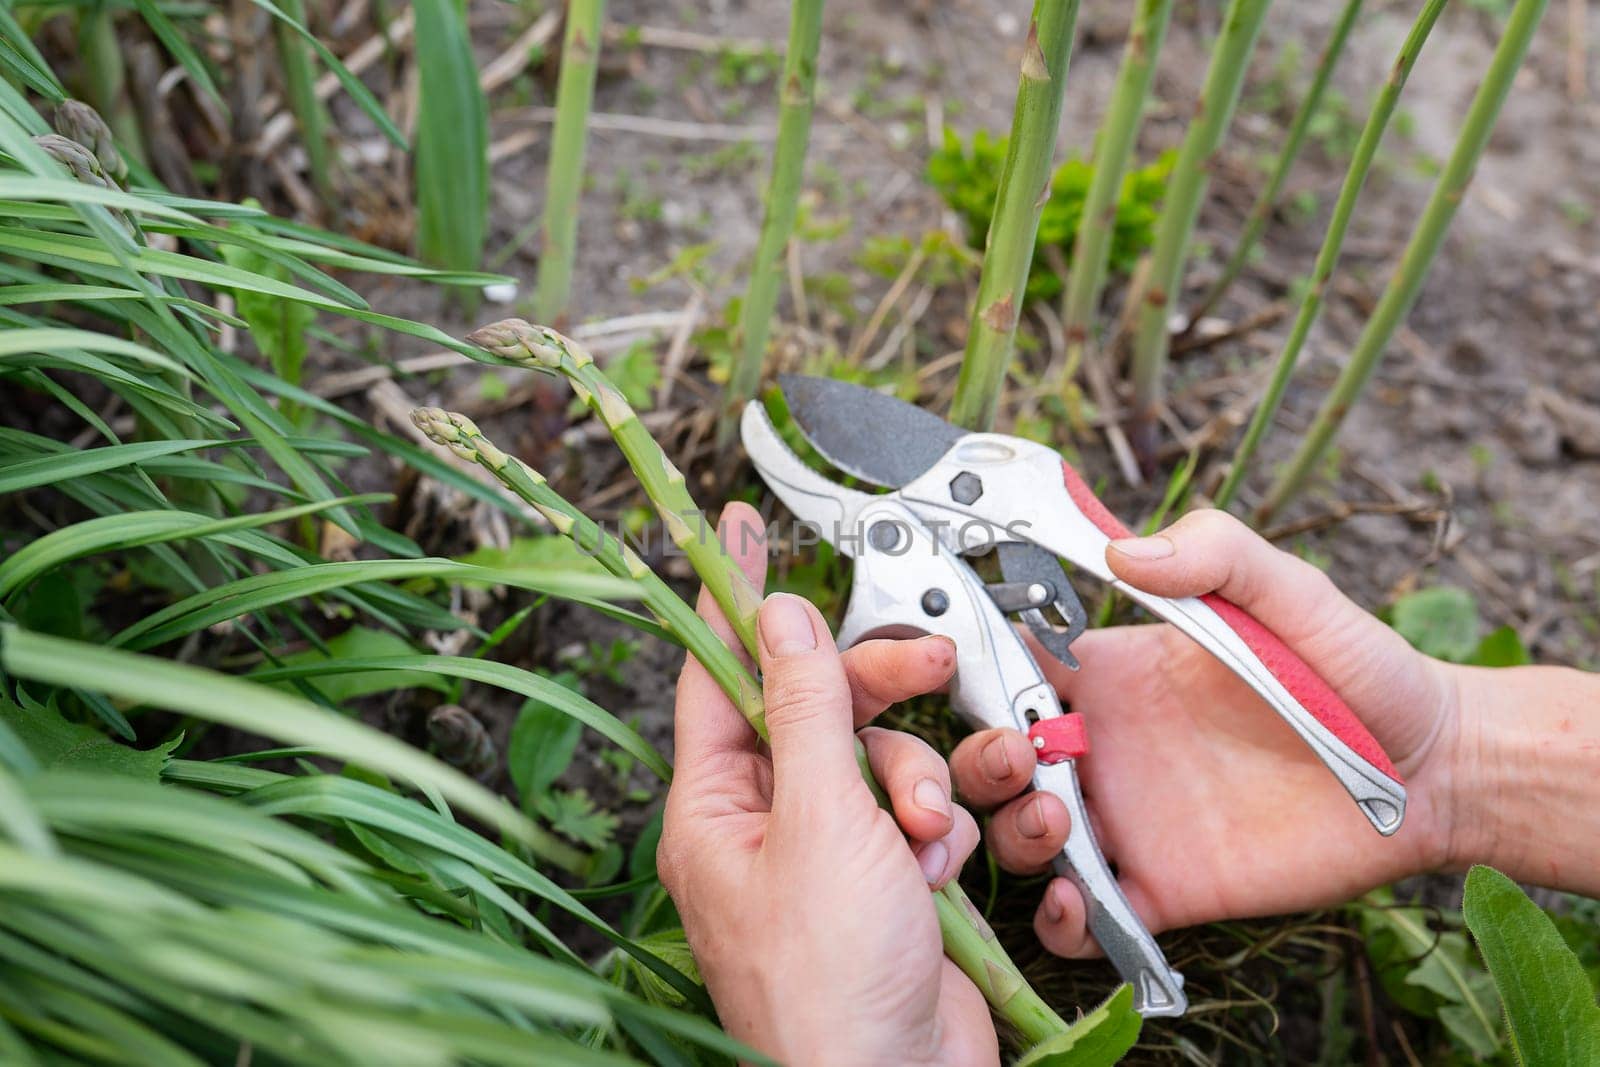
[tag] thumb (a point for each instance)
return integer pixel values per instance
(810, 717)
(1212, 552)
(1366, 662)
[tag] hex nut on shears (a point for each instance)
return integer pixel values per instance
(966, 488)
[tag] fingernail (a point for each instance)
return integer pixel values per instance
(932, 859)
(1030, 820)
(931, 796)
(1053, 911)
(996, 761)
(1145, 547)
(785, 626)
(946, 646)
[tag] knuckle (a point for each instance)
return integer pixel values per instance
(797, 698)
(1208, 523)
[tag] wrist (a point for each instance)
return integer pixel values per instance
(1524, 781)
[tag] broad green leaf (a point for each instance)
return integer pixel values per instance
(277, 326)
(1441, 621)
(1099, 1039)
(1550, 1008)
(56, 743)
(543, 742)
(671, 945)
(1501, 648)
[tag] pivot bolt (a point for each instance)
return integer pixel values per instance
(966, 488)
(935, 602)
(884, 535)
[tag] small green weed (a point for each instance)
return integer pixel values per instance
(967, 176)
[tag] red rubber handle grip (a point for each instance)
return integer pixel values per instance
(1292, 672)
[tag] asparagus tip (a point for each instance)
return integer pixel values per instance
(520, 342)
(448, 429)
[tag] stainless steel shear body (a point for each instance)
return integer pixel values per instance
(956, 493)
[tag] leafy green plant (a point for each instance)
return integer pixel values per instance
(967, 176)
(1426, 965)
(1550, 1010)
(180, 910)
(1443, 621)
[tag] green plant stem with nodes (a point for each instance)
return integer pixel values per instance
(310, 115)
(1230, 60)
(1328, 256)
(968, 940)
(1114, 144)
(541, 348)
(1406, 283)
(796, 97)
(580, 60)
(1267, 200)
(1024, 188)
(461, 436)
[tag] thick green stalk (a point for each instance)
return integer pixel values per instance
(461, 436)
(1230, 60)
(1267, 200)
(1119, 132)
(796, 96)
(310, 115)
(967, 936)
(1328, 257)
(971, 944)
(1024, 188)
(104, 75)
(1406, 283)
(541, 348)
(580, 60)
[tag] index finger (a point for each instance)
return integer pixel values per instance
(706, 724)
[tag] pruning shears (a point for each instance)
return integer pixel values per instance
(956, 495)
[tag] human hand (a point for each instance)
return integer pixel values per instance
(1207, 803)
(806, 905)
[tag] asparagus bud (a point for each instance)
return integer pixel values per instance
(83, 164)
(523, 344)
(81, 123)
